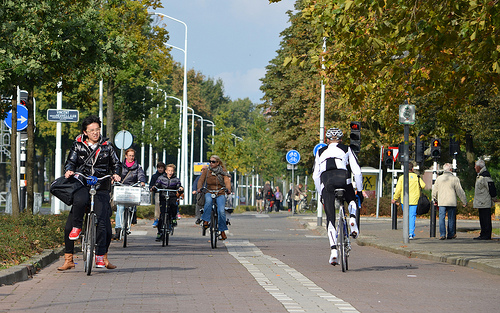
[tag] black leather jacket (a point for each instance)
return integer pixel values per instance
(104, 162)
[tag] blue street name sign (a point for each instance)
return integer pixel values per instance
(22, 118)
(293, 157)
(54, 115)
(317, 147)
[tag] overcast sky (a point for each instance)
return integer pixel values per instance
(229, 39)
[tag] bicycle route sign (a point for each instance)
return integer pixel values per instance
(293, 157)
(22, 118)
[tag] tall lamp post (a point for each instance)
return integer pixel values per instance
(184, 132)
(180, 128)
(213, 127)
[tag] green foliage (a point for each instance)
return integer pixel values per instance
(27, 235)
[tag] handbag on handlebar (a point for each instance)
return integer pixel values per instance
(64, 188)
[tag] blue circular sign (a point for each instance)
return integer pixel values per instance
(317, 147)
(22, 118)
(293, 157)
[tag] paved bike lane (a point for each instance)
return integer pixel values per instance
(186, 276)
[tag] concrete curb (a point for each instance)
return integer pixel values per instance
(27, 269)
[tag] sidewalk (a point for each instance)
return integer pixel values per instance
(463, 250)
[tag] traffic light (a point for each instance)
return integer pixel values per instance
(454, 146)
(355, 137)
(419, 151)
(401, 152)
(388, 160)
(436, 148)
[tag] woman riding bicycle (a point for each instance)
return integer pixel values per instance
(90, 155)
(330, 173)
(216, 177)
(131, 173)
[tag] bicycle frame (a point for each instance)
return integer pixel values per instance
(90, 232)
(214, 218)
(166, 226)
(343, 240)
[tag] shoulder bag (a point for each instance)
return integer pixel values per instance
(424, 204)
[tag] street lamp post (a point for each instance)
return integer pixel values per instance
(213, 127)
(184, 132)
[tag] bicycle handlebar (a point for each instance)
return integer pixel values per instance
(214, 190)
(92, 180)
(121, 184)
(168, 190)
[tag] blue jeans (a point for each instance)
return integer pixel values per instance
(452, 211)
(207, 210)
(412, 217)
(119, 215)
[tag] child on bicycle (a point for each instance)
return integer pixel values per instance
(168, 180)
(331, 172)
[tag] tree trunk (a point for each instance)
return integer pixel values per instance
(469, 149)
(14, 186)
(30, 154)
(110, 112)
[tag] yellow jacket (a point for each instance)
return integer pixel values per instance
(414, 190)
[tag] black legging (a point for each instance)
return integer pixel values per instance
(103, 211)
(333, 180)
(172, 208)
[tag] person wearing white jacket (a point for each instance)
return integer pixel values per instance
(332, 168)
(445, 191)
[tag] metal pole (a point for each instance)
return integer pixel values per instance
(379, 194)
(56, 208)
(433, 208)
(101, 114)
(406, 184)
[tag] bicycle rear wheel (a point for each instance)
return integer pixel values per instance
(341, 240)
(213, 228)
(125, 226)
(90, 246)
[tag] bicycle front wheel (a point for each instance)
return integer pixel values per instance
(90, 246)
(166, 235)
(213, 228)
(125, 226)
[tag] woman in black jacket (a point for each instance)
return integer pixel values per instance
(91, 155)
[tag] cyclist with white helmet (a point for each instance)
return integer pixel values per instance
(332, 169)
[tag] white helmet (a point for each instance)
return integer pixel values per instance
(334, 133)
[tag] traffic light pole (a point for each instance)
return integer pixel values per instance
(433, 207)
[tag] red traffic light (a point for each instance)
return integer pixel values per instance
(436, 143)
(389, 153)
(355, 126)
(23, 102)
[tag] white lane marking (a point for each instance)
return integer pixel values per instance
(295, 291)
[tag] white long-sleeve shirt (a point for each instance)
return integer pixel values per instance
(342, 156)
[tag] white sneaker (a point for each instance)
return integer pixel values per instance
(354, 227)
(334, 257)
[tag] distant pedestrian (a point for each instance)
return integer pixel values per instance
(259, 200)
(414, 193)
(279, 198)
(483, 200)
(445, 191)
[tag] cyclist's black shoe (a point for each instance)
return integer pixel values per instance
(174, 222)
(228, 222)
(198, 221)
(158, 237)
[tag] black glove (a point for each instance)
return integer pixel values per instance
(361, 197)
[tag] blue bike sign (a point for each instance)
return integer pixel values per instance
(293, 157)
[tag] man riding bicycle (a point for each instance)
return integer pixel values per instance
(332, 169)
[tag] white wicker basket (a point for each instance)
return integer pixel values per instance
(127, 195)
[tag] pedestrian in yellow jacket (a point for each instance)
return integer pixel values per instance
(414, 193)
